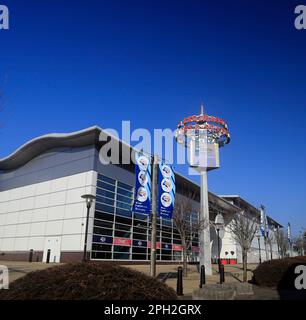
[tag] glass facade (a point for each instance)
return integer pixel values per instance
(121, 234)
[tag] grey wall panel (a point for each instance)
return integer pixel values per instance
(114, 171)
(53, 164)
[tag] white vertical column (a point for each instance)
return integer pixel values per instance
(204, 239)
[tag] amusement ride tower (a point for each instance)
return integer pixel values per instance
(203, 135)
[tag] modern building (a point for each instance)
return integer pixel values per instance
(43, 217)
(266, 248)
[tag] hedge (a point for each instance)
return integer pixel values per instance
(278, 273)
(84, 281)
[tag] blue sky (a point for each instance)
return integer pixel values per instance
(67, 65)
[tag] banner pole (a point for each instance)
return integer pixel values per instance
(154, 216)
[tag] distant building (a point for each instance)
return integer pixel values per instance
(41, 209)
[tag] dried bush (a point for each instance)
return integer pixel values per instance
(84, 281)
(277, 273)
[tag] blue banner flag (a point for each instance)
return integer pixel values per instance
(142, 198)
(262, 222)
(289, 233)
(166, 191)
(266, 226)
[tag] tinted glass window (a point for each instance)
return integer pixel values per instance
(125, 186)
(106, 179)
(104, 216)
(104, 193)
(124, 192)
(106, 186)
(104, 208)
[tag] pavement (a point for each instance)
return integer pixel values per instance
(18, 269)
(233, 274)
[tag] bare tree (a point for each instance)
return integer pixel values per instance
(282, 242)
(298, 243)
(187, 223)
(243, 229)
(269, 240)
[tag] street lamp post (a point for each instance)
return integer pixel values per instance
(89, 198)
(259, 249)
(218, 235)
(219, 226)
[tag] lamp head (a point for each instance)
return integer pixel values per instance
(89, 198)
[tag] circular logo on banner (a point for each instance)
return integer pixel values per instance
(142, 194)
(143, 162)
(142, 178)
(166, 199)
(166, 171)
(166, 185)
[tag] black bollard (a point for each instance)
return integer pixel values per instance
(179, 287)
(202, 277)
(31, 255)
(222, 278)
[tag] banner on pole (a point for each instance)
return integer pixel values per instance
(166, 191)
(289, 233)
(262, 222)
(266, 226)
(142, 198)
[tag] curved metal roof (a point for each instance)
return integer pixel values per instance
(36, 146)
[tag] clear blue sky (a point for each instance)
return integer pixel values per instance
(66, 65)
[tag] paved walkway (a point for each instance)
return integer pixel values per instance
(233, 273)
(18, 269)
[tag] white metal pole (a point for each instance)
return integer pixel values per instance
(154, 217)
(204, 240)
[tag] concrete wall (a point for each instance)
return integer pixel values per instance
(41, 201)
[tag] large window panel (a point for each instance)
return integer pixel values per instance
(106, 186)
(124, 206)
(124, 213)
(139, 236)
(104, 208)
(125, 192)
(119, 226)
(123, 220)
(177, 241)
(101, 255)
(103, 224)
(124, 199)
(103, 231)
(166, 257)
(106, 179)
(101, 247)
(139, 216)
(125, 186)
(105, 193)
(121, 256)
(104, 216)
(166, 240)
(122, 234)
(139, 256)
(108, 201)
(139, 250)
(140, 224)
(140, 230)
